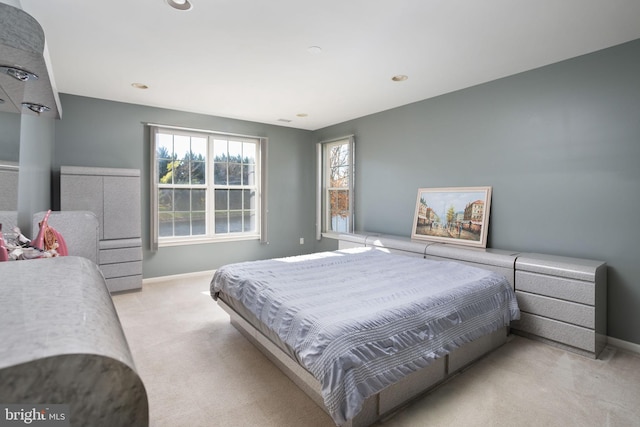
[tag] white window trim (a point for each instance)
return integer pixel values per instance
(322, 216)
(261, 162)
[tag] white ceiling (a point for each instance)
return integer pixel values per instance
(249, 59)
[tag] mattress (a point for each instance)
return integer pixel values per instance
(361, 319)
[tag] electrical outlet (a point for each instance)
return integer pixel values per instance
(302, 240)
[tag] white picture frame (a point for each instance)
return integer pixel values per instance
(458, 215)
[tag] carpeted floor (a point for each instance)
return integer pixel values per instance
(199, 371)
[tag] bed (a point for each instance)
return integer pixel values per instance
(362, 330)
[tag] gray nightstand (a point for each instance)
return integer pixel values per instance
(563, 301)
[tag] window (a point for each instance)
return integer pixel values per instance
(206, 186)
(182, 184)
(235, 183)
(335, 186)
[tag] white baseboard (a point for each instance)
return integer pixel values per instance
(196, 275)
(624, 345)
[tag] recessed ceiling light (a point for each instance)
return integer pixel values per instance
(302, 114)
(140, 85)
(36, 108)
(180, 4)
(399, 78)
(18, 73)
(314, 50)
(284, 120)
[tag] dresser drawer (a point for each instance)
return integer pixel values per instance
(577, 314)
(121, 269)
(117, 284)
(555, 330)
(586, 270)
(112, 256)
(556, 287)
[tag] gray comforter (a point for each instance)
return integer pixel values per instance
(361, 319)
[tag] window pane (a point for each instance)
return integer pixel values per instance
(198, 223)
(182, 201)
(181, 146)
(340, 177)
(339, 199)
(169, 175)
(235, 199)
(339, 155)
(222, 222)
(249, 221)
(198, 158)
(220, 150)
(164, 146)
(339, 210)
(198, 200)
(221, 200)
(181, 171)
(165, 171)
(220, 173)
(235, 221)
(340, 223)
(165, 175)
(164, 155)
(235, 174)
(165, 200)
(249, 201)
(235, 151)
(181, 165)
(198, 172)
(248, 174)
(249, 153)
(182, 223)
(199, 148)
(165, 224)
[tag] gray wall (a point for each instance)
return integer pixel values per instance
(30, 138)
(34, 179)
(560, 145)
(109, 134)
(9, 154)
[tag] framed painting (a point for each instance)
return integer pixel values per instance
(458, 215)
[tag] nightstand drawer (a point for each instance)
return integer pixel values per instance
(565, 311)
(556, 287)
(555, 330)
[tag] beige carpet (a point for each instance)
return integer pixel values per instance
(199, 371)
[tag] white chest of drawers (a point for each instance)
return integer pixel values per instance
(114, 196)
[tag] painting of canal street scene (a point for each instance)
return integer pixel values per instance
(458, 215)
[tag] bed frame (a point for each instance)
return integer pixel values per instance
(391, 398)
